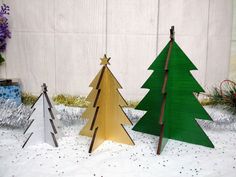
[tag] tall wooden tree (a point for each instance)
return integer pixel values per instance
(41, 128)
(105, 115)
(170, 103)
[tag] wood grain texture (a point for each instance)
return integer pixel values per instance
(59, 41)
(41, 128)
(108, 119)
(219, 36)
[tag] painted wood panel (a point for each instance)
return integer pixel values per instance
(60, 41)
(132, 29)
(80, 16)
(131, 55)
(30, 57)
(31, 15)
(77, 62)
(219, 39)
(190, 19)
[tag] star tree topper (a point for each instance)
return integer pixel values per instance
(105, 60)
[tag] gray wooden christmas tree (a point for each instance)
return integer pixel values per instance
(42, 128)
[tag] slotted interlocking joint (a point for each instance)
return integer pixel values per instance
(172, 33)
(44, 88)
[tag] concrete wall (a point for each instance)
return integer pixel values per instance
(60, 41)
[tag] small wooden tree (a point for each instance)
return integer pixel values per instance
(41, 128)
(105, 114)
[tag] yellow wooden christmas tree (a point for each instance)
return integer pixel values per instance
(105, 115)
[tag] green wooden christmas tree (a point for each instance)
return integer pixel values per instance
(171, 105)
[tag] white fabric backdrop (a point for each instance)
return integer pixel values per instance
(60, 41)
